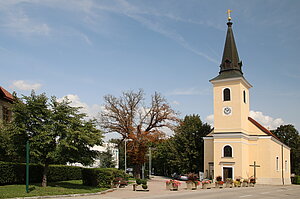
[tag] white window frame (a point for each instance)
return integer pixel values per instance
(231, 151)
(229, 95)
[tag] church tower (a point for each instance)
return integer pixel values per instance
(231, 90)
(238, 146)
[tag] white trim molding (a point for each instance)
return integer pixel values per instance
(228, 166)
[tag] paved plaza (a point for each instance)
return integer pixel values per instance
(157, 190)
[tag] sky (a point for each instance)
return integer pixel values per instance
(86, 49)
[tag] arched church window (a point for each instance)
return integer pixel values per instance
(226, 94)
(227, 151)
(244, 95)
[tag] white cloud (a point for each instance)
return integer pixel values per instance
(25, 86)
(265, 120)
(17, 21)
(210, 119)
(175, 102)
(91, 110)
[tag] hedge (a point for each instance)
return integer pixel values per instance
(101, 177)
(296, 180)
(14, 173)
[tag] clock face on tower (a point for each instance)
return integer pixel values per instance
(227, 110)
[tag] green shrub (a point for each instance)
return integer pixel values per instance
(97, 177)
(138, 181)
(296, 180)
(14, 173)
(143, 181)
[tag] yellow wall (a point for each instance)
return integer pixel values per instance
(237, 121)
(262, 149)
(248, 142)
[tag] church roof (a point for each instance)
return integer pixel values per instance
(262, 128)
(6, 95)
(231, 66)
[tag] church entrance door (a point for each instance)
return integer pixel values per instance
(227, 173)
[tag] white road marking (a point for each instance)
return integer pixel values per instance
(245, 196)
(265, 192)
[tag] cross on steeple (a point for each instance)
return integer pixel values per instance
(228, 12)
(254, 167)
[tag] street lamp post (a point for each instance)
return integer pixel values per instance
(150, 162)
(125, 140)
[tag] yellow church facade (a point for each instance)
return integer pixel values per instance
(238, 146)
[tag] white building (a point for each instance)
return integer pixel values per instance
(105, 146)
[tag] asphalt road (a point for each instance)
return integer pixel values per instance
(157, 190)
(264, 192)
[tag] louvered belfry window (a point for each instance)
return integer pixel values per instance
(226, 94)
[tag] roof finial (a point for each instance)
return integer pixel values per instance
(228, 12)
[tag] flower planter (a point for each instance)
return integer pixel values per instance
(191, 185)
(207, 186)
(173, 187)
(237, 184)
(228, 185)
(218, 185)
(244, 184)
(168, 186)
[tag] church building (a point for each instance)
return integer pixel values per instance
(238, 146)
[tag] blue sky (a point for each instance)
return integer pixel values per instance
(86, 49)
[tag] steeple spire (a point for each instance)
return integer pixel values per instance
(231, 66)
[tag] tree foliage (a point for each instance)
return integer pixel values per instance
(57, 132)
(106, 159)
(140, 124)
(184, 152)
(290, 136)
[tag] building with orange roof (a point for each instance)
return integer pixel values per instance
(6, 100)
(238, 146)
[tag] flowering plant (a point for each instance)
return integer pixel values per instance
(206, 182)
(252, 180)
(220, 182)
(173, 182)
(229, 180)
(219, 178)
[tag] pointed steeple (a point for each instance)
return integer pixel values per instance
(231, 66)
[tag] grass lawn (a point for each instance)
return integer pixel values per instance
(53, 188)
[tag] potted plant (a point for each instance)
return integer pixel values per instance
(219, 183)
(229, 183)
(172, 185)
(192, 182)
(144, 184)
(252, 181)
(237, 182)
(206, 184)
(244, 182)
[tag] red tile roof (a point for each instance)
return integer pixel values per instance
(6, 95)
(258, 125)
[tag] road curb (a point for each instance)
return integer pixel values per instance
(68, 195)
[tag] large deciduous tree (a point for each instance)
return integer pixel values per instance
(290, 136)
(140, 124)
(57, 132)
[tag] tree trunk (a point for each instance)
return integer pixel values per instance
(137, 171)
(45, 172)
